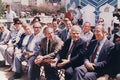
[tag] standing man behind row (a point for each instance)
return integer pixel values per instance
(79, 15)
(10, 15)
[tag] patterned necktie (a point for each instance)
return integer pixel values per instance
(95, 52)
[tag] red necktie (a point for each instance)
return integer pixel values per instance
(95, 53)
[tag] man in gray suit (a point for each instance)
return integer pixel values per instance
(49, 46)
(4, 33)
(29, 53)
(96, 54)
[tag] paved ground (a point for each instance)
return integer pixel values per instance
(8, 75)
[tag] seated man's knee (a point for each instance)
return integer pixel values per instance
(90, 76)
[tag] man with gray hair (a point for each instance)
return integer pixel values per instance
(72, 53)
(49, 46)
(96, 54)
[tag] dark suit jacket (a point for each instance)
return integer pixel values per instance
(104, 50)
(103, 55)
(19, 44)
(112, 64)
(77, 55)
(63, 35)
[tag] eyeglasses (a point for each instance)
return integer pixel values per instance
(36, 27)
(100, 21)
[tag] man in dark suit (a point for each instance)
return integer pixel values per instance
(97, 53)
(65, 34)
(49, 46)
(72, 53)
(112, 65)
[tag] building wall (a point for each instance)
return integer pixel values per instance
(95, 3)
(118, 4)
(36, 2)
(7, 1)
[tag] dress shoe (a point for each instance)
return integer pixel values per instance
(17, 75)
(8, 70)
(2, 63)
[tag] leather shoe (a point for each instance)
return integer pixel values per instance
(8, 70)
(17, 75)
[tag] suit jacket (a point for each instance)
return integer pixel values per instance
(64, 35)
(55, 46)
(112, 64)
(19, 44)
(103, 55)
(77, 55)
(104, 50)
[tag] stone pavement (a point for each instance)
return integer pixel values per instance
(8, 75)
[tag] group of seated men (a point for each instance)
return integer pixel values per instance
(83, 54)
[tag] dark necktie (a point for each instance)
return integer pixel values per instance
(71, 48)
(1, 34)
(48, 46)
(95, 52)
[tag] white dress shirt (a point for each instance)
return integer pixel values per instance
(10, 16)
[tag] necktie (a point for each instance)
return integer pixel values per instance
(95, 52)
(48, 46)
(71, 49)
(67, 33)
(1, 34)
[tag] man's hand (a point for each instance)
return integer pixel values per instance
(64, 62)
(25, 54)
(89, 65)
(10, 45)
(53, 62)
(30, 55)
(39, 59)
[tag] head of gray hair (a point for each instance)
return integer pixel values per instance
(47, 28)
(103, 28)
(76, 28)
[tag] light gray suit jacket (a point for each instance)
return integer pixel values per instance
(55, 45)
